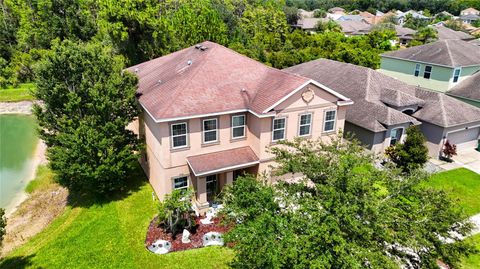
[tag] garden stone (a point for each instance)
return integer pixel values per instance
(212, 239)
(160, 247)
(185, 237)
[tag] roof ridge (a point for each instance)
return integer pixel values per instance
(442, 109)
(367, 86)
(449, 53)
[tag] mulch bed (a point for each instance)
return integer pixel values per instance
(156, 232)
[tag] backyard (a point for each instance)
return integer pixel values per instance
(464, 186)
(107, 235)
(16, 94)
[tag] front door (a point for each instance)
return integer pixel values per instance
(212, 187)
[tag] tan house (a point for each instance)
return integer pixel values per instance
(210, 113)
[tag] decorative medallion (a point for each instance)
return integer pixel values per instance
(308, 95)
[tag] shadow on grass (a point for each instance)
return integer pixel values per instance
(136, 179)
(16, 262)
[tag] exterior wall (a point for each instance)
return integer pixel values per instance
(364, 136)
(441, 77)
(434, 136)
(164, 163)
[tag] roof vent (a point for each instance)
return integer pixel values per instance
(203, 48)
(136, 69)
(189, 62)
(244, 90)
(159, 81)
(198, 46)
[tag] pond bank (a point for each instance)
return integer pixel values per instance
(23, 107)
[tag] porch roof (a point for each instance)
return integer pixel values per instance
(221, 161)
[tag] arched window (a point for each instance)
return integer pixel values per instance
(408, 111)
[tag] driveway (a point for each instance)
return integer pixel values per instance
(469, 159)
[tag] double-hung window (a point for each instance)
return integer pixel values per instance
(428, 72)
(210, 130)
(238, 126)
(456, 74)
(179, 135)
(329, 120)
(395, 136)
(417, 70)
(278, 132)
(305, 125)
(180, 183)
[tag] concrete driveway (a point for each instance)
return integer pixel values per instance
(469, 159)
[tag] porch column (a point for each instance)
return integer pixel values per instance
(202, 192)
(229, 178)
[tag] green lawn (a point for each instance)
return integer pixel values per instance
(43, 178)
(108, 235)
(462, 185)
(21, 93)
(473, 262)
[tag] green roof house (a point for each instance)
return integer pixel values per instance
(438, 66)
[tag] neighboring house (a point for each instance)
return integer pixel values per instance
(437, 66)
(350, 28)
(469, 11)
(384, 107)
(337, 10)
(468, 90)
(209, 114)
(401, 16)
(351, 18)
(309, 24)
(447, 33)
(469, 18)
(404, 34)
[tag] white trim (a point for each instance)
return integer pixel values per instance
(311, 81)
(284, 128)
(430, 72)
(344, 103)
(325, 120)
(182, 188)
(459, 74)
(207, 115)
(244, 126)
(415, 70)
(461, 129)
(203, 131)
(400, 139)
(309, 125)
(186, 135)
(233, 167)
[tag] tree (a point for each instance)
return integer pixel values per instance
(414, 23)
(426, 35)
(449, 150)
(328, 26)
(319, 13)
(342, 213)
(413, 153)
(175, 211)
(3, 223)
(88, 100)
(456, 25)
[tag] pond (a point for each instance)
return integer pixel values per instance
(18, 141)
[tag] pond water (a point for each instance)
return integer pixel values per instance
(18, 141)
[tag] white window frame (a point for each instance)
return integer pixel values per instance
(181, 188)
(425, 71)
(203, 131)
(244, 126)
(300, 125)
(325, 120)
(284, 128)
(459, 69)
(418, 68)
(186, 135)
(400, 138)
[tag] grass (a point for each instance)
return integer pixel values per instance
(473, 262)
(108, 235)
(20, 93)
(462, 185)
(43, 178)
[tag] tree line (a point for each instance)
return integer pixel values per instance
(142, 30)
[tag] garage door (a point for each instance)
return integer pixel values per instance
(465, 139)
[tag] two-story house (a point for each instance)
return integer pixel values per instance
(438, 66)
(384, 107)
(210, 113)
(469, 15)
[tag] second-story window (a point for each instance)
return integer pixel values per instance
(278, 132)
(238, 126)
(417, 70)
(305, 124)
(210, 132)
(179, 135)
(428, 71)
(329, 120)
(456, 74)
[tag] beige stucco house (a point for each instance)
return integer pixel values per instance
(209, 115)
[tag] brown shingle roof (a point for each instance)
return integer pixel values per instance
(373, 93)
(354, 27)
(447, 33)
(468, 88)
(452, 53)
(221, 160)
(193, 82)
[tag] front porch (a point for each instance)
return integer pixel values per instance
(213, 171)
